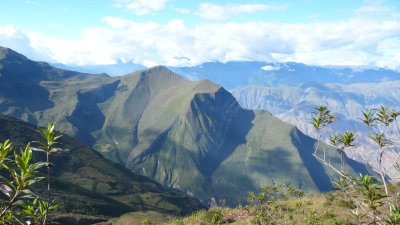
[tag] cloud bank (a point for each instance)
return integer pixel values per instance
(358, 41)
(223, 12)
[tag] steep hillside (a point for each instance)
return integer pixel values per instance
(290, 91)
(189, 135)
(88, 185)
(196, 137)
(295, 105)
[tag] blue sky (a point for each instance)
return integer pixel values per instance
(154, 32)
(67, 17)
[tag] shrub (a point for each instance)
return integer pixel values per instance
(19, 203)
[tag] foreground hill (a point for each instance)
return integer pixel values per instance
(190, 135)
(91, 188)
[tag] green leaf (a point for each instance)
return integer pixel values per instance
(6, 189)
(37, 149)
(55, 151)
(369, 118)
(380, 139)
(348, 138)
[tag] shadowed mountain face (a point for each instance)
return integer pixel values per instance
(17, 82)
(89, 184)
(185, 134)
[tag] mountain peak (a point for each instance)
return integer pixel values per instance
(159, 71)
(9, 53)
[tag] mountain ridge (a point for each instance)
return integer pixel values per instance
(191, 135)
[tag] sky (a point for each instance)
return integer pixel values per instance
(188, 33)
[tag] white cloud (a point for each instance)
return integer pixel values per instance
(357, 41)
(270, 68)
(373, 7)
(8, 31)
(115, 22)
(141, 7)
(95, 46)
(223, 12)
(12, 37)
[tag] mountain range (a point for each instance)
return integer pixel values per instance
(118, 69)
(291, 91)
(236, 74)
(190, 135)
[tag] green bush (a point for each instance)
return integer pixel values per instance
(147, 222)
(214, 216)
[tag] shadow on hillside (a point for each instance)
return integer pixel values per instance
(232, 126)
(87, 117)
(240, 126)
(314, 167)
(20, 86)
(358, 167)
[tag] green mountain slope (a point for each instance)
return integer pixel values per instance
(189, 135)
(87, 184)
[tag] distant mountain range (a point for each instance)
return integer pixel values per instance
(191, 135)
(118, 69)
(232, 75)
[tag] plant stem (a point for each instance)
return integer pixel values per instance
(397, 125)
(384, 183)
(342, 160)
(382, 173)
(48, 176)
(48, 181)
(318, 141)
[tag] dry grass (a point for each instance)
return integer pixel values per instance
(328, 207)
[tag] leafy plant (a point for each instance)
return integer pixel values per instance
(19, 204)
(321, 119)
(147, 222)
(313, 218)
(50, 137)
(372, 202)
(270, 194)
(214, 216)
